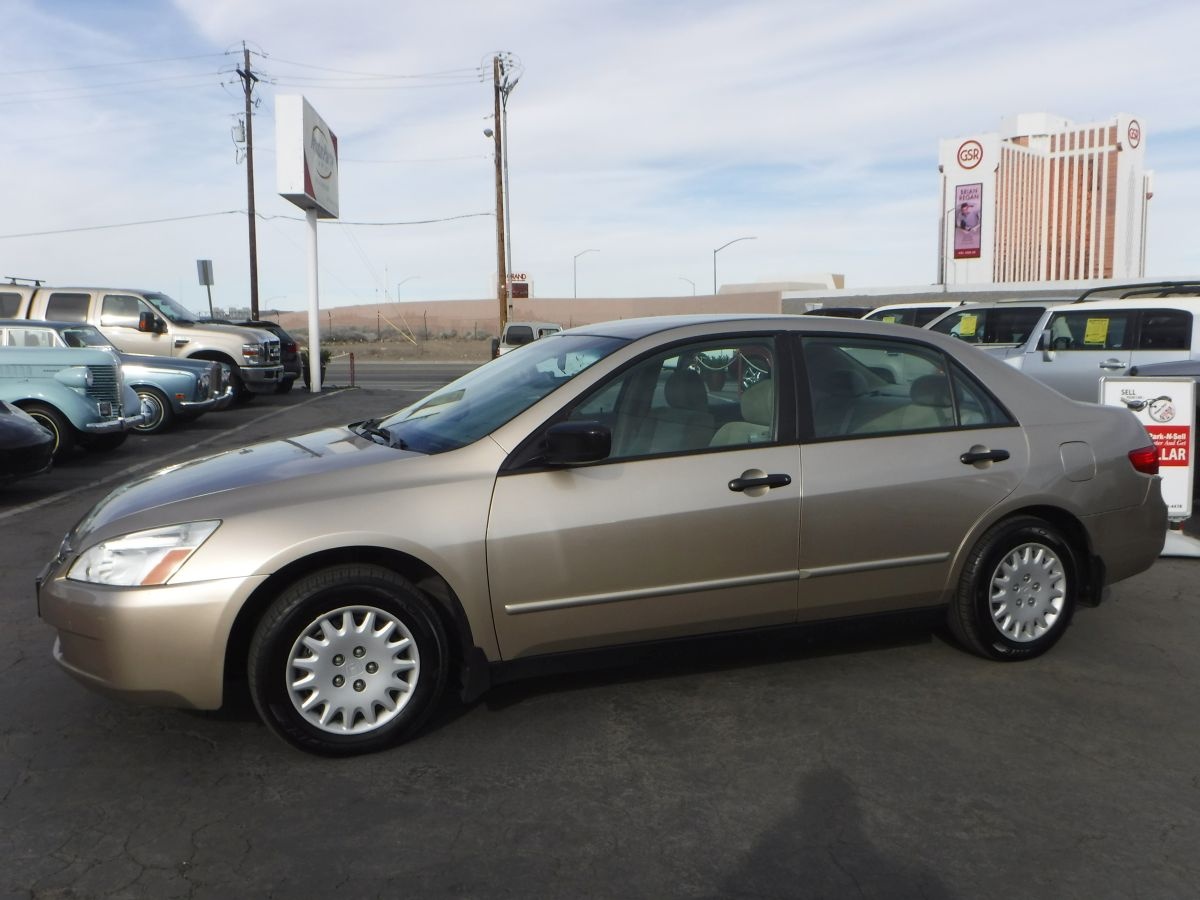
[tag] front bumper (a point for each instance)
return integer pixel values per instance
(261, 379)
(220, 401)
(108, 426)
(163, 645)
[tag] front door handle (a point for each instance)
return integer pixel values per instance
(1112, 364)
(763, 481)
(976, 456)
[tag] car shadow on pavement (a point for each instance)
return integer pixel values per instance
(691, 656)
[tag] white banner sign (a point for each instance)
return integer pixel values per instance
(306, 155)
(1167, 409)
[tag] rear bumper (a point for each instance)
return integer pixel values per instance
(1129, 541)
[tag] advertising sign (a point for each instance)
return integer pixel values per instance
(968, 205)
(306, 153)
(1167, 409)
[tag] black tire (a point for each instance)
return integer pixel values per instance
(1017, 592)
(57, 424)
(285, 386)
(103, 443)
(341, 597)
(241, 393)
(158, 407)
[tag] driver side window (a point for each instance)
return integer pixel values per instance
(120, 309)
(689, 399)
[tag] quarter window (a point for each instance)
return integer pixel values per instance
(1165, 329)
(9, 304)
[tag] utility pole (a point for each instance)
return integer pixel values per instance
(501, 236)
(249, 79)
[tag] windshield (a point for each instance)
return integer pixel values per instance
(84, 336)
(171, 308)
(481, 401)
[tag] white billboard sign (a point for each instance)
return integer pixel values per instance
(1167, 409)
(306, 154)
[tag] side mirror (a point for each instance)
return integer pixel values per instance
(149, 323)
(1045, 345)
(574, 443)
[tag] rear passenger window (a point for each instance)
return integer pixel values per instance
(1165, 329)
(64, 307)
(9, 304)
(863, 387)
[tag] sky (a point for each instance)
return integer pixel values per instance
(641, 136)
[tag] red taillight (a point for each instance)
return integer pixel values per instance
(289, 346)
(1145, 459)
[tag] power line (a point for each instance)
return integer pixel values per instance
(237, 212)
(446, 73)
(132, 62)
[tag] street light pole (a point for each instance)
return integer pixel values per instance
(689, 281)
(718, 250)
(405, 281)
(575, 270)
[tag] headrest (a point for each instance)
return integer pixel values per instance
(841, 382)
(930, 390)
(758, 403)
(685, 390)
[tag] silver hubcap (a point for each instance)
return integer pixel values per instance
(152, 409)
(353, 670)
(1027, 592)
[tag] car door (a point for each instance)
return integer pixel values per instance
(119, 315)
(1080, 348)
(690, 525)
(897, 466)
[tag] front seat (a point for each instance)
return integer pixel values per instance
(686, 423)
(758, 418)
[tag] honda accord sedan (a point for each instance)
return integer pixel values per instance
(615, 484)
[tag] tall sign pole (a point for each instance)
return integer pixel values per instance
(306, 152)
(249, 79)
(501, 238)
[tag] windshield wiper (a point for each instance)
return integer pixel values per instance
(372, 428)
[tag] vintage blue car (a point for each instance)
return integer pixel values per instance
(168, 389)
(78, 395)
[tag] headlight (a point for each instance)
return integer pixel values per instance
(144, 557)
(253, 353)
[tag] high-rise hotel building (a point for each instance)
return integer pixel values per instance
(1044, 199)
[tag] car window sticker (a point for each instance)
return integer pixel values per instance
(968, 325)
(1096, 332)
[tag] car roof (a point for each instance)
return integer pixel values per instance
(924, 304)
(43, 323)
(1185, 303)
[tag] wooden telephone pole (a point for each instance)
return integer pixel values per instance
(249, 79)
(501, 236)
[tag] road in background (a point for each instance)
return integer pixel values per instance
(395, 376)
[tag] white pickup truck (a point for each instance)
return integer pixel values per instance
(149, 322)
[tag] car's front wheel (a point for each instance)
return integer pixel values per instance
(56, 423)
(350, 659)
(157, 410)
(1017, 592)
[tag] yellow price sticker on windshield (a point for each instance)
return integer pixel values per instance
(892, 319)
(1096, 332)
(968, 325)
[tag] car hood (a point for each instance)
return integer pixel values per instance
(300, 460)
(263, 337)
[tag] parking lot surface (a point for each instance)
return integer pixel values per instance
(873, 760)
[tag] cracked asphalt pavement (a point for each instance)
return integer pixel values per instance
(875, 760)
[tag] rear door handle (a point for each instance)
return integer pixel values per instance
(974, 456)
(767, 481)
(1113, 364)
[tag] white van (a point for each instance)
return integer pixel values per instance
(518, 334)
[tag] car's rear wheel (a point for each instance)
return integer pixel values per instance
(350, 659)
(54, 422)
(157, 409)
(1017, 592)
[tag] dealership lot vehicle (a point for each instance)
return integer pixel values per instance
(602, 488)
(1115, 331)
(26, 448)
(916, 314)
(80, 396)
(998, 326)
(168, 389)
(518, 334)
